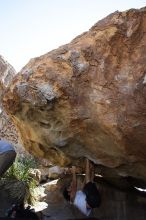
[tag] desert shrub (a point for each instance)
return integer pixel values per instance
(20, 169)
(18, 181)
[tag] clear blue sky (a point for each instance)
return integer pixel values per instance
(30, 28)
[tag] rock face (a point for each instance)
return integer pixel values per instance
(87, 98)
(7, 73)
(8, 131)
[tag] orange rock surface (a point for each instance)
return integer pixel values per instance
(88, 98)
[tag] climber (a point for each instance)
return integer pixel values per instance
(7, 156)
(87, 198)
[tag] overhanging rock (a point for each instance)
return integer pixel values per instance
(88, 98)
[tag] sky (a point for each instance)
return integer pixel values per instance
(30, 28)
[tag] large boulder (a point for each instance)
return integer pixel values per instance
(87, 98)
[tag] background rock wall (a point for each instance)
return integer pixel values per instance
(8, 130)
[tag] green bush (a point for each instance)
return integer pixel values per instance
(18, 181)
(20, 169)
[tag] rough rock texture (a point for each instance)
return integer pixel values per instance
(7, 73)
(8, 131)
(87, 98)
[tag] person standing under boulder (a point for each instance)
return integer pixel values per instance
(89, 197)
(7, 156)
